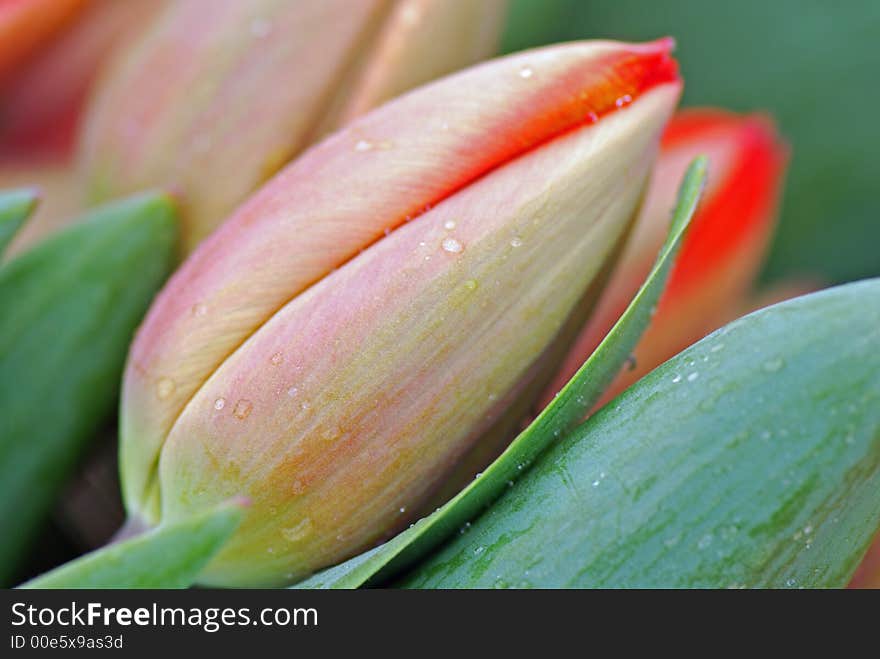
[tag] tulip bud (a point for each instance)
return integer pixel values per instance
(43, 99)
(713, 275)
(221, 93)
(360, 322)
(25, 26)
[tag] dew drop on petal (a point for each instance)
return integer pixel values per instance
(298, 531)
(676, 379)
(293, 391)
(452, 245)
(693, 376)
(363, 145)
(242, 409)
(165, 388)
(526, 72)
(516, 241)
(449, 225)
(219, 404)
(773, 365)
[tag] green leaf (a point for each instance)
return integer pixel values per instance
(751, 459)
(169, 556)
(15, 207)
(69, 309)
(569, 407)
(805, 63)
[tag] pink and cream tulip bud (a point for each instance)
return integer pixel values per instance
(220, 94)
(358, 324)
(712, 280)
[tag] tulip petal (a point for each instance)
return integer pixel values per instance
(722, 254)
(406, 54)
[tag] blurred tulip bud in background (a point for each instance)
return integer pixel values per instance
(220, 94)
(373, 310)
(43, 98)
(712, 280)
(26, 25)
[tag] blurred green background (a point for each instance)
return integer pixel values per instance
(812, 64)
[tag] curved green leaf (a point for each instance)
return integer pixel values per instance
(69, 309)
(750, 459)
(569, 407)
(15, 207)
(170, 556)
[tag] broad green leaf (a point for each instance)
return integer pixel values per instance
(69, 309)
(569, 407)
(751, 459)
(15, 207)
(169, 556)
(806, 64)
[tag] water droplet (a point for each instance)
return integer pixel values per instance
(623, 100)
(471, 284)
(298, 531)
(452, 245)
(791, 583)
(402, 509)
(199, 309)
(516, 241)
(305, 406)
(276, 359)
(693, 376)
(526, 72)
(773, 365)
(676, 379)
(808, 529)
(165, 388)
(411, 14)
(479, 550)
(705, 541)
(219, 404)
(363, 145)
(493, 397)
(242, 409)
(717, 347)
(449, 225)
(293, 391)
(260, 28)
